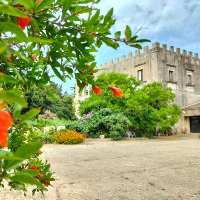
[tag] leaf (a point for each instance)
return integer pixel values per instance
(37, 40)
(25, 151)
(7, 79)
(127, 91)
(25, 178)
(94, 18)
(59, 2)
(142, 40)
(66, 6)
(27, 3)
(9, 10)
(52, 96)
(108, 16)
(117, 35)
(128, 32)
(13, 28)
(44, 4)
(136, 46)
(29, 172)
(3, 47)
(109, 42)
(57, 73)
(132, 39)
(30, 114)
(11, 96)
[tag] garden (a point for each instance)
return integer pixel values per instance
(38, 38)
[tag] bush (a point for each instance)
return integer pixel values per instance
(68, 137)
(104, 122)
(117, 125)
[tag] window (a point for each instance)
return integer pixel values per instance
(171, 76)
(140, 75)
(189, 79)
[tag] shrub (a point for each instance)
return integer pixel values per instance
(103, 122)
(68, 137)
(117, 125)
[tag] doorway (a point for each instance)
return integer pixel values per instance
(195, 124)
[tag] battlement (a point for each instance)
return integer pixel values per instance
(156, 47)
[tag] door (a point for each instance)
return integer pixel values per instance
(195, 124)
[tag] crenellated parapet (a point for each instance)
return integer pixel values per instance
(156, 48)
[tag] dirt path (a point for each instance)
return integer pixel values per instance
(164, 168)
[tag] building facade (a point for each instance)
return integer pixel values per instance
(173, 68)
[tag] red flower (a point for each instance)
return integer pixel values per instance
(33, 167)
(117, 91)
(23, 21)
(48, 183)
(34, 57)
(40, 175)
(9, 58)
(96, 90)
(5, 123)
(39, 151)
(2, 72)
(38, 2)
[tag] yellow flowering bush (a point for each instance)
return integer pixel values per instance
(68, 137)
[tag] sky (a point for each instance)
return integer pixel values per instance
(171, 22)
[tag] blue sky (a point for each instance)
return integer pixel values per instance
(172, 22)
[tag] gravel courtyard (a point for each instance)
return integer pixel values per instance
(165, 168)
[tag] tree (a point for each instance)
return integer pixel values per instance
(106, 99)
(58, 37)
(146, 108)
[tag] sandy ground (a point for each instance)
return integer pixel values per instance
(166, 168)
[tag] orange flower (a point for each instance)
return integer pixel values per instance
(39, 151)
(33, 167)
(34, 57)
(48, 183)
(2, 72)
(40, 175)
(9, 58)
(5, 123)
(96, 90)
(117, 91)
(23, 22)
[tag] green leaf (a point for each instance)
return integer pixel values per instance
(136, 46)
(30, 114)
(94, 18)
(142, 40)
(59, 2)
(44, 4)
(13, 28)
(66, 6)
(109, 42)
(108, 16)
(128, 32)
(3, 47)
(7, 155)
(9, 10)
(7, 79)
(11, 96)
(52, 96)
(29, 172)
(57, 73)
(37, 40)
(25, 178)
(117, 35)
(25, 151)
(132, 39)
(27, 3)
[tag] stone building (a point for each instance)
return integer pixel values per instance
(180, 71)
